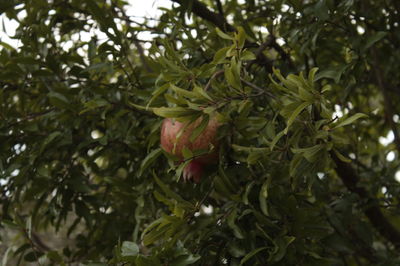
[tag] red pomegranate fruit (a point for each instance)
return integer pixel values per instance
(172, 143)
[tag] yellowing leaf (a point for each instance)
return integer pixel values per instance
(172, 112)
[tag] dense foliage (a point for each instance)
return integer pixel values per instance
(307, 94)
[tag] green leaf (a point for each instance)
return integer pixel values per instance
(172, 112)
(179, 101)
(223, 35)
(155, 94)
(276, 139)
(349, 120)
(93, 104)
(55, 256)
(240, 37)
(186, 259)
(251, 254)
(247, 55)
(200, 128)
(155, 234)
(334, 72)
(187, 153)
(129, 249)
(245, 197)
(294, 115)
(309, 153)
(201, 93)
(321, 10)
(341, 157)
(58, 100)
(240, 148)
(281, 243)
(232, 74)
(98, 67)
(306, 95)
(139, 107)
(326, 88)
(7, 46)
(374, 39)
(263, 195)
(296, 80)
(231, 223)
(150, 158)
(146, 261)
(289, 86)
(182, 92)
(48, 140)
(311, 74)
(170, 193)
(220, 56)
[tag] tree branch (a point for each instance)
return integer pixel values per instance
(260, 90)
(202, 11)
(30, 117)
(220, 9)
(350, 179)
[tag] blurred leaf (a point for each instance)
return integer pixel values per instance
(223, 35)
(231, 223)
(59, 100)
(309, 153)
(201, 93)
(263, 195)
(172, 112)
(181, 92)
(349, 120)
(129, 249)
(150, 158)
(376, 37)
(334, 72)
(321, 10)
(55, 256)
(294, 115)
(251, 254)
(220, 55)
(341, 157)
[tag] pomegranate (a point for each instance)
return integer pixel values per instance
(172, 143)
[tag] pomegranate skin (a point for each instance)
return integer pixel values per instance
(193, 171)
(173, 145)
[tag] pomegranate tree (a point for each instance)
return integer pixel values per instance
(173, 141)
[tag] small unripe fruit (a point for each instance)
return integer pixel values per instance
(174, 144)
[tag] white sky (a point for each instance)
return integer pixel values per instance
(136, 9)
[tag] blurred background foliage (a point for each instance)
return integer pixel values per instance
(307, 92)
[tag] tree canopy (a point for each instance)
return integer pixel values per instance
(306, 93)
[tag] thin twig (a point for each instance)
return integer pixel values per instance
(214, 76)
(34, 247)
(254, 86)
(31, 116)
(142, 56)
